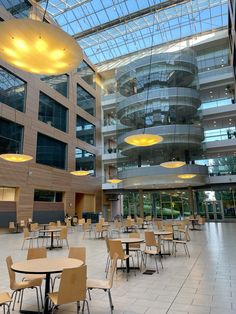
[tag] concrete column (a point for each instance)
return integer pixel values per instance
(141, 203)
(190, 200)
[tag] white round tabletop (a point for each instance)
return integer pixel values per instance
(45, 265)
(130, 240)
(50, 230)
(162, 232)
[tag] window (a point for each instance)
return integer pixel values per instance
(47, 196)
(85, 161)
(7, 194)
(52, 113)
(87, 74)
(11, 137)
(51, 152)
(86, 101)
(85, 131)
(12, 90)
(59, 83)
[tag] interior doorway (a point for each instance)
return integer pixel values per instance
(214, 210)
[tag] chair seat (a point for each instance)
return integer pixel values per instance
(5, 297)
(27, 284)
(53, 296)
(98, 284)
(151, 252)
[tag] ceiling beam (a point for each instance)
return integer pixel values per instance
(129, 17)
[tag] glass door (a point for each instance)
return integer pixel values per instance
(214, 210)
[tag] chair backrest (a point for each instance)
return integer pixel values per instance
(102, 220)
(78, 253)
(81, 221)
(150, 238)
(72, 286)
(134, 235)
(168, 227)
(113, 269)
(11, 225)
(26, 232)
(201, 220)
(128, 223)
(39, 252)
(12, 274)
(86, 226)
(117, 224)
(89, 221)
(159, 224)
(58, 223)
(63, 233)
(99, 227)
(116, 248)
(107, 244)
(34, 226)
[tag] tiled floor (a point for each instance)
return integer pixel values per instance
(203, 283)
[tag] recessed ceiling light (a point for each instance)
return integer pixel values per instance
(230, 123)
(214, 121)
(230, 119)
(210, 91)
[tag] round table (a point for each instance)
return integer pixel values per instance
(46, 266)
(127, 241)
(51, 247)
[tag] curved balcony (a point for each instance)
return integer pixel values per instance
(176, 138)
(166, 106)
(157, 177)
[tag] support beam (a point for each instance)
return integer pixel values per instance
(126, 18)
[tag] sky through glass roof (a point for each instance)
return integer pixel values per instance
(108, 29)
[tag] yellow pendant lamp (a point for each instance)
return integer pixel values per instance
(187, 176)
(143, 139)
(16, 157)
(80, 173)
(38, 47)
(114, 181)
(173, 164)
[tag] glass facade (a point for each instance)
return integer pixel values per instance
(219, 134)
(87, 74)
(86, 101)
(52, 113)
(220, 166)
(211, 59)
(59, 83)
(48, 196)
(12, 90)
(11, 137)
(216, 103)
(85, 131)
(51, 152)
(85, 161)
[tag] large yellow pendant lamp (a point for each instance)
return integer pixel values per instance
(173, 164)
(114, 181)
(187, 176)
(80, 173)
(143, 139)
(38, 47)
(16, 157)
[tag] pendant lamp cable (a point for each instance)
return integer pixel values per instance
(45, 11)
(149, 72)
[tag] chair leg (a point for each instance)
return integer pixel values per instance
(89, 294)
(23, 245)
(161, 260)
(110, 300)
(155, 257)
(14, 300)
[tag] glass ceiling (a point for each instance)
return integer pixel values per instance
(109, 29)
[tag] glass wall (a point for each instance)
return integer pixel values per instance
(210, 59)
(219, 134)
(87, 74)
(47, 196)
(11, 137)
(52, 113)
(85, 161)
(86, 101)
(12, 90)
(51, 152)
(219, 166)
(85, 131)
(59, 83)
(216, 103)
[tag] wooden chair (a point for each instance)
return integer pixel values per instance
(62, 237)
(181, 228)
(28, 237)
(12, 226)
(19, 287)
(182, 242)
(159, 224)
(108, 255)
(139, 222)
(105, 285)
(117, 248)
(76, 253)
(201, 222)
(5, 301)
(135, 247)
(72, 288)
(153, 248)
(87, 229)
(167, 238)
(99, 230)
(117, 228)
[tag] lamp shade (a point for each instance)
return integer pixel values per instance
(80, 173)
(114, 181)
(38, 47)
(16, 157)
(143, 139)
(186, 176)
(173, 164)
